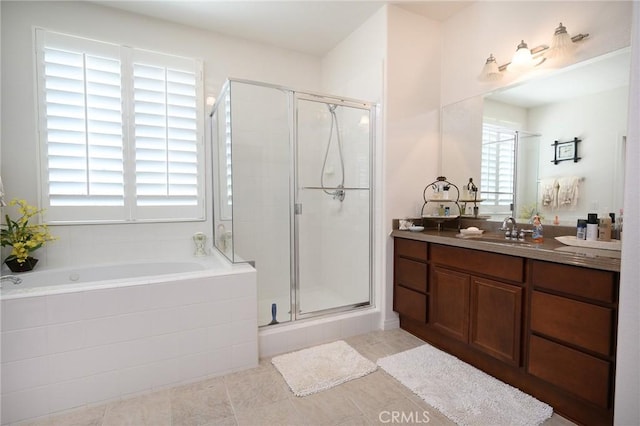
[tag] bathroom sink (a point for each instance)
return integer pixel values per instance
(497, 239)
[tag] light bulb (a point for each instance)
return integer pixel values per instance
(522, 59)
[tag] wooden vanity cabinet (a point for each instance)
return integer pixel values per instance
(483, 311)
(573, 329)
(544, 327)
(410, 279)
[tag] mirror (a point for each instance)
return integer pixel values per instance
(506, 141)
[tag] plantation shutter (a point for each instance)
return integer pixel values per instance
(121, 132)
(497, 169)
(168, 148)
(81, 106)
(166, 136)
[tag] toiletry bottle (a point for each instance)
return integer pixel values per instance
(619, 225)
(537, 230)
(604, 229)
(614, 226)
(592, 227)
(556, 221)
(581, 230)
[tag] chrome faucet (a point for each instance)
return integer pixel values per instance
(15, 280)
(509, 233)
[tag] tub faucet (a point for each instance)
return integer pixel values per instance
(15, 280)
(509, 233)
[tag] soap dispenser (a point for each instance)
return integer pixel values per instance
(537, 236)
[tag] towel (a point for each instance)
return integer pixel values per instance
(569, 191)
(549, 192)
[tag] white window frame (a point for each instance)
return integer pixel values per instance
(498, 201)
(130, 212)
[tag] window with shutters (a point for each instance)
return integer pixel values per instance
(120, 131)
(498, 168)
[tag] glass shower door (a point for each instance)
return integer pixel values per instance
(333, 205)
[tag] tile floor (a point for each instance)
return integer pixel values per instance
(260, 396)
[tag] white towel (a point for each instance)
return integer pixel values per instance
(548, 192)
(569, 191)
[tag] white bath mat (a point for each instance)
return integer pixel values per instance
(322, 367)
(461, 392)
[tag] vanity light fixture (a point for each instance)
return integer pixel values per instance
(525, 58)
(490, 71)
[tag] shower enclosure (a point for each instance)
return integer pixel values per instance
(292, 195)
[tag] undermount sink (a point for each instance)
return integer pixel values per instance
(497, 238)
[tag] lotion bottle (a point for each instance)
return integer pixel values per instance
(592, 227)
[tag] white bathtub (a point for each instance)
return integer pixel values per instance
(79, 336)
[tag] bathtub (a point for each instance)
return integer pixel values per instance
(74, 337)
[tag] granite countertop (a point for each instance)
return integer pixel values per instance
(550, 250)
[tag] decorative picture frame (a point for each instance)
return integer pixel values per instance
(564, 151)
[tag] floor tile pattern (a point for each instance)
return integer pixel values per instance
(260, 396)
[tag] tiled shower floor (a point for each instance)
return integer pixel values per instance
(261, 397)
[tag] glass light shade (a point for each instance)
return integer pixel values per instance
(490, 71)
(522, 59)
(561, 45)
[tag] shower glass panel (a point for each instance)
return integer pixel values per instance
(333, 204)
(291, 191)
(254, 170)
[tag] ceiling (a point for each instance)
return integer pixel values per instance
(309, 26)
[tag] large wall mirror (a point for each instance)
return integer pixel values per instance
(506, 141)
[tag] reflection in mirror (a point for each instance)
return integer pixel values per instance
(505, 142)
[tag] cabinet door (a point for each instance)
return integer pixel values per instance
(450, 303)
(496, 319)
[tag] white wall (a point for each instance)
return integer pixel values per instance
(223, 57)
(627, 410)
(496, 27)
(600, 121)
(412, 122)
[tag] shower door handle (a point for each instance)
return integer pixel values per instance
(297, 208)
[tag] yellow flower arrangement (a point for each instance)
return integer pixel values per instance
(20, 235)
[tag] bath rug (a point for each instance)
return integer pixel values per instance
(461, 392)
(322, 367)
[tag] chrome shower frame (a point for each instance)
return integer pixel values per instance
(295, 207)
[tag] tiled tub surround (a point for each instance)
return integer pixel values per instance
(72, 346)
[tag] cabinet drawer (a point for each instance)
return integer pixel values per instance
(584, 282)
(411, 248)
(410, 303)
(578, 323)
(579, 373)
(411, 274)
(479, 262)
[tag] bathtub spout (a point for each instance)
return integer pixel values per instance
(15, 280)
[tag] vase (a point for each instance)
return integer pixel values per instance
(25, 266)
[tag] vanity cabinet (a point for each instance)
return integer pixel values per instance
(547, 328)
(410, 279)
(573, 320)
(483, 311)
